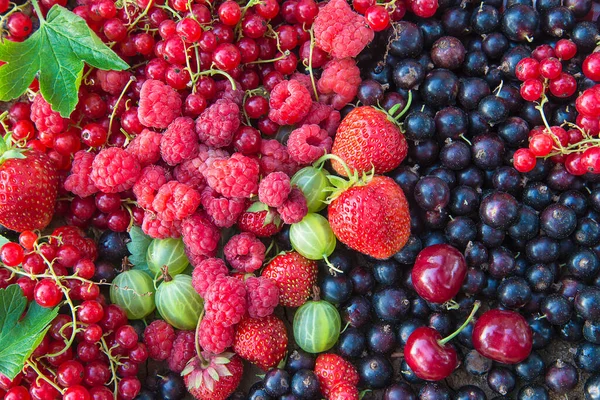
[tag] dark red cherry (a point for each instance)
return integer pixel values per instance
(438, 273)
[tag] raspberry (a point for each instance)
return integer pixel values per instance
(263, 296)
(159, 337)
(175, 201)
(224, 91)
(275, 157)
(44, 118)
(80, 182)
(194, 258)
(200, 235)
(183, 350)
(244, 252)
(145, 147)
(159, 104)
(157, 228)
(305, 81)
(207, 156)
(222, 211)
(340, 31)
(150, 180)
(294, 208)
(323, 115)
(114, 170)
(225, 301)
(289, 102)
(218, 123)
(307, 143)
(341, 78)
(113, 82)
(274, 189)
(206, 272)
(179, 142)
(188, 172)
(236, 176)
(214, 336)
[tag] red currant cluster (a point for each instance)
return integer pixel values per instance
(85, 351)
(379, 15)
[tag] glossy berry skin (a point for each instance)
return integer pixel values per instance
(427, 357)
(503, 336)
(438, 273)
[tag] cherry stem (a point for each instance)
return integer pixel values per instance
(456, 332)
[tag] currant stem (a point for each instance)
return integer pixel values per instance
(310, 57)
(456, 332)
(44, 377)
(112, 366)
(116, 106)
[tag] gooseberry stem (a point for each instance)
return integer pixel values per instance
(456, 332)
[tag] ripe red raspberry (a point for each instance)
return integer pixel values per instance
(179, 142)
(225, 301)
(183, 350)
(341, 78)
(188, 172)
(44, 118)
(236, 176)
(80, 182)
(245, 252)
(323, 115)
(145, 147)
(274, 189)
(150, 180)
(260, 220)
(305, 81)
(218, 123)
(157, 228)
(208, 155)
(206, 272)
(340, 31)
(225, 91)
(289, 102)
(222, 211)
(294, 208)
(200, 235)
(275, 157)
(158, 338)
(114, 170)
(307, 143)
(262, 296)
(214, 336)
(175, 201)
(159, 104)
(112, 82)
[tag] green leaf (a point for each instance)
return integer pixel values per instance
(18, 339)
(3, 241)
(58, 50)
(138, 247)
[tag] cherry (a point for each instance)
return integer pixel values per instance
(503, 336)
(438, 273)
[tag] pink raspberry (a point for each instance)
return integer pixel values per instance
(206, 272)
(341, 78)
(225, 301)
(183, 350)
(307, 143)
(175, 201)
(340, 31)
(188, 172)
(159, 104)
(113, 82)
(323, 115)
(236, 176)
(262, 295)
(159, 337)
(305, 81)
(294, 208)
(145, 147)
(214, 336)
(194, 258)
(289, 102)
(275, 157)
(44, 118)
(157, 228)
(150, 180)
(245, 252)
(179, 142)
(225, 91)
(80, 182)
(218, 123)
(222, 211)
(208, 155)
(200, 235)
(114, 170)
(274, 189)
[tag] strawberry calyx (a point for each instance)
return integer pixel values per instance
(338, 184)
(271, 218)
(206, 369)
(9, 150)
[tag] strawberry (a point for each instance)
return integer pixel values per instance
(261, 341)
(199, 375)
(28, 189)
(344, 391)
(294, 275)
(260, 219)
(332, 370)
(369, 138)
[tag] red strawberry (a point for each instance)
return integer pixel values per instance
(332, 370)
(261, 341)
(199, 375)
(344, 391)
(294, 275)
(371, 216)
(28, 188)
(260, 219)
(369, 138)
